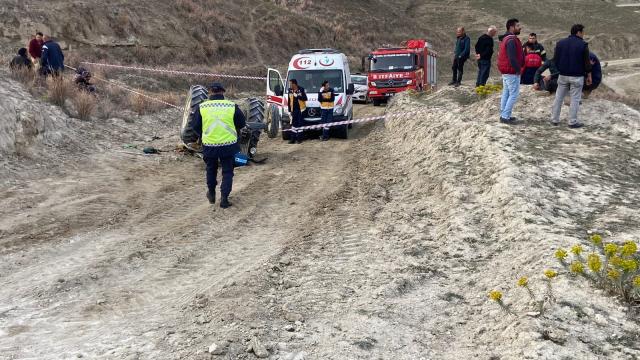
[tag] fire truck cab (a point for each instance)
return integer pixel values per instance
(396, 69)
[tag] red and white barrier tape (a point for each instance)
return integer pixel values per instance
(177, 72)
(353, 121)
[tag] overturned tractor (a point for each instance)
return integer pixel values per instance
(248, 137)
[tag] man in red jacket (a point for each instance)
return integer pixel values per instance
(35, 48)
(510, 64)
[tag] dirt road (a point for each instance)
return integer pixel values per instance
(107, 258)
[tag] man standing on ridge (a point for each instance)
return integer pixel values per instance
(572, 60)
(510, 63)
(484, 52)
(218, 121)
(460, 55)
(297, 104)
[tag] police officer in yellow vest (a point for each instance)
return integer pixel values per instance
(218, 122)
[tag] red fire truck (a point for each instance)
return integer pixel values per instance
(396, 69)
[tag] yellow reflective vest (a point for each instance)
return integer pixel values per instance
(218, 128)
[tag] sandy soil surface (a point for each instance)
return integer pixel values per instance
(623, 76)
(380, 247)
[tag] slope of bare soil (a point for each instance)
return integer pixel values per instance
(383, 246)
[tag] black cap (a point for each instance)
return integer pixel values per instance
(216, 87)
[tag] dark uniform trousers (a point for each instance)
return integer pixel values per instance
(296, 121)
(226, 163)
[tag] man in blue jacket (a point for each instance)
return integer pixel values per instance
(218, 122)
(572, 60)
(460, 55)
(52, 60)
(596, 75)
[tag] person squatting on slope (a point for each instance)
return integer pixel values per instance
(596, 75)
(484, 53)
(549, 82)
(21, 61)
(571, 56)
(218, 122)
(297, 105)
(510, 63)
(460, 55)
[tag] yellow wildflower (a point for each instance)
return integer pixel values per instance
(577, 267)
(550, 273)
(628, 249)
(596, 239)
(616, 261)
(636, 281)
(628, 265)
(576, 249)
(610, 249)
(594, 263)
(495, 295)
(561, 254)
(613, 274)
(523, 281)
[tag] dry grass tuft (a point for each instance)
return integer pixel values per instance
(85, 104)
(139, 104)
(24, 75)
(105, 108)
(58, 90)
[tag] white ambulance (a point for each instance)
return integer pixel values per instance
(310, 68)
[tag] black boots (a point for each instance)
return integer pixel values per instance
(224, 203)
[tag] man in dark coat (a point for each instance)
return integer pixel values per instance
(460, 55)
(484, 53)
(52, 62)
(572, 60)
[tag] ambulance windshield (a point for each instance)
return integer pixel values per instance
(311, 80)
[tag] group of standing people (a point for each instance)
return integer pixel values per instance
(43, 53)
(574, 70)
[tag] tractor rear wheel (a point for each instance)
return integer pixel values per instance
(197, 94)
(273, 124)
